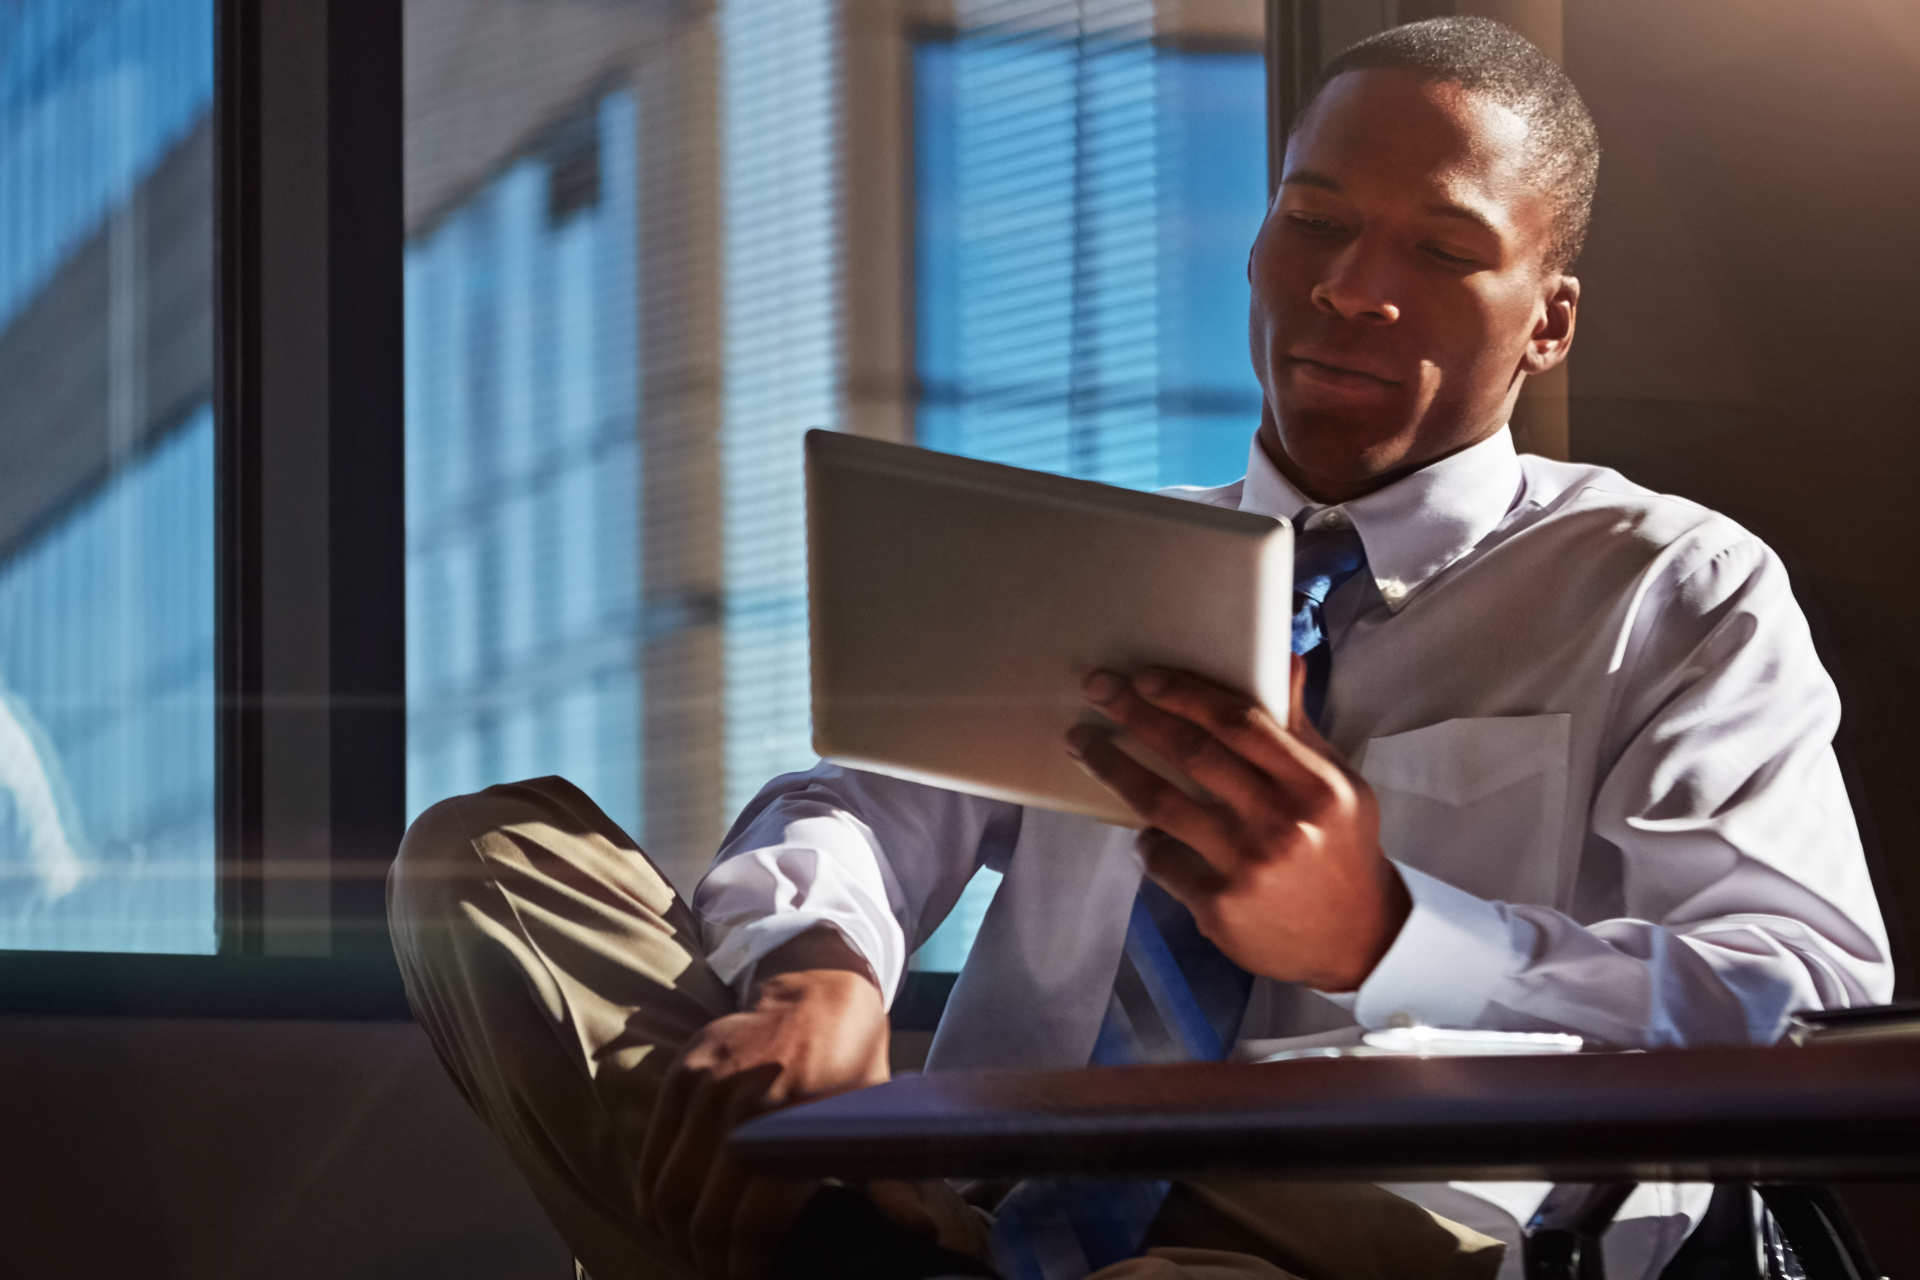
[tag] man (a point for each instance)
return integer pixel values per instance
(1575, 775)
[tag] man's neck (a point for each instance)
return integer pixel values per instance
(1328, 493)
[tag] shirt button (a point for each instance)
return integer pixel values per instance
(1331, 518)
(1393, 592)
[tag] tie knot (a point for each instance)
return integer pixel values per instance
(1325, 557)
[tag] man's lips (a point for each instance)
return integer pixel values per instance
(1341, 367)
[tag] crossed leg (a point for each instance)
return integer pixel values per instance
(558, 975)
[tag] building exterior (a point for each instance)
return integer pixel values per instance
(621, 363)
(107, 492)
(649, 246)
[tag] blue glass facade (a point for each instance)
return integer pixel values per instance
(1078, 299)
(783, 366)
(93, 95)
(523, 475)
(106, 580)
(1083, 216)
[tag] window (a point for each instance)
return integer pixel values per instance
(623, 284)
(523, 556)
(1084, 198)
(107, 502)
(1085, 205)
(645, 248)
(650, 246)
(200, 624)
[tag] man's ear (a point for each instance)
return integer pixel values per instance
(1552, 333)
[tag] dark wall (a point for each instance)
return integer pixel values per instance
(209, 1150)
(1748, 335)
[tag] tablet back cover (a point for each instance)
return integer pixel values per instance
(955, 606)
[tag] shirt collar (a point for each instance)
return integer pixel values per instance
(1414, 527)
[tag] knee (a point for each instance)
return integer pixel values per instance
(438, 866)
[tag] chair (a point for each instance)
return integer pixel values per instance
(1802, 1233)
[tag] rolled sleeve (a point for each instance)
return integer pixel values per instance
(819, 872)
(736, 951)
(880, 860)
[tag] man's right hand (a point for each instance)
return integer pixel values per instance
(815, 1024)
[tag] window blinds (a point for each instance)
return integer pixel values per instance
(780, 316)
(522, 471)
(1040, 150)
(1086, 195)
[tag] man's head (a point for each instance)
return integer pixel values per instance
(1412, 270)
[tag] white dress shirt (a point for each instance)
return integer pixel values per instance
(1601, 743)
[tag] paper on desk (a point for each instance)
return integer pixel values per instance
(1434, 1042)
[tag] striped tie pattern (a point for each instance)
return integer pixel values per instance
(1176, 998)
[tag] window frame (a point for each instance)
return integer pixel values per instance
(311, 714)
(311, 730)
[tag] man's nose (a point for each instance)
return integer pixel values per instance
(1356, 287)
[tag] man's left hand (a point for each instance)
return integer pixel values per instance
(1281, 866)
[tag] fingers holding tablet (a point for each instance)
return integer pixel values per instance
(1153, 797)
(1208, 758)
(1281, 862)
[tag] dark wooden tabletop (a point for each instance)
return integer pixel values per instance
(1821, 1112)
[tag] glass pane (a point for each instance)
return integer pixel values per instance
(523, 582)
(107, 497)
(1085, 201)
(1085, 207)
(623, 311)
(651, 245)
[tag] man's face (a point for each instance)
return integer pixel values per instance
(1400, 290)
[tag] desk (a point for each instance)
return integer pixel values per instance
(1774, 1114)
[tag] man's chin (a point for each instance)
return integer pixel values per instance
(1335, 457)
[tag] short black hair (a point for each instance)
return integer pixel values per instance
(1490, 57)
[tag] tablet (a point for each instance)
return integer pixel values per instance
(955, 606)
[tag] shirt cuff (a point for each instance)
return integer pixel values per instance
(1451, 955)
(735, 952)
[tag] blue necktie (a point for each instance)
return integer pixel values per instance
(1176, 998)
(1323, 558)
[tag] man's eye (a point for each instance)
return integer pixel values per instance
(1451, 259)
(1313, 222)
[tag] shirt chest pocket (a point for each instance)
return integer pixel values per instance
(1479, 803)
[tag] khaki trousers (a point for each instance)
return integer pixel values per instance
(558, 974)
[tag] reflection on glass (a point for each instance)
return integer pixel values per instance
(636, 276)
(1084, 211)
(522, 478)
(1084, 215)
(782, 368)
(44, 863)
(106, 502)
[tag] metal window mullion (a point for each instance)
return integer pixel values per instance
(237, 500)
(312, 772)
(1293, 60)
(367, 462)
